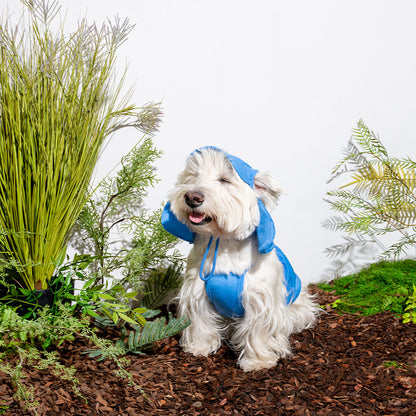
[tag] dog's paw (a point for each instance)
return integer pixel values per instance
(254, 365)
(199, 349)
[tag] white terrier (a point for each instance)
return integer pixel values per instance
(241, 287)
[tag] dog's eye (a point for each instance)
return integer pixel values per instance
(224, 180)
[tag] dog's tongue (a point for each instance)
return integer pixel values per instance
(196, 217)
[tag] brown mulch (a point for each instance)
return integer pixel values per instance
(346, 365)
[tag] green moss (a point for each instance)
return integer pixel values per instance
(383, 286)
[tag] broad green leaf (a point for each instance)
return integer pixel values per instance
(126, 318)
(91, 312)
(131, 295)
(105, 296)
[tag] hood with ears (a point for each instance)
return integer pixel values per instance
(265, 230)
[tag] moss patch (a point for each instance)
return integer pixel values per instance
(383, 286)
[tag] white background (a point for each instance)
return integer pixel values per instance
(280, 84)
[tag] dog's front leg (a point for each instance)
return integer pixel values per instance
(260, 349)
(261, 335)
(203, 336)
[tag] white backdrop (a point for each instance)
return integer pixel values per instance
(280, 84)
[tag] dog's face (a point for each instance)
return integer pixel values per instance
(211, 198)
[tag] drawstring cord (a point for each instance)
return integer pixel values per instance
(209, 275)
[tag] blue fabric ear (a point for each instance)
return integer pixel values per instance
(172, 225)
(265, 237)
(265, 230)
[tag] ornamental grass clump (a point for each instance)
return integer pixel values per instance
(59, 102)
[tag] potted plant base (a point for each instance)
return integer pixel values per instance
(27, 301)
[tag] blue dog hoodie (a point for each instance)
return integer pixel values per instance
(225, 290)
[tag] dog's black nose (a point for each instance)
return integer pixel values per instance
(193, 199)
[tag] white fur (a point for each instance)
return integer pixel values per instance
(262, 336)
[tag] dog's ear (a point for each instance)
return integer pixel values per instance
(268, 189)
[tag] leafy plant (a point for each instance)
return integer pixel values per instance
(31, 340)
(122, 239)
(379, 198)
(59, 102)
(410, 315)
(63, 321)
(109, 300)
(159, 285)
(383, 286)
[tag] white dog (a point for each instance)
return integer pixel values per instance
(238, 284)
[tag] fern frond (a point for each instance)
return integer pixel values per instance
(399, 248)
(333, 223)
(407, 163)
(358, 159)
(351, 203)
(384, 178)
(353, 157)
(371, 180)
(144, 337)
(343, 248)
(369, 141)
(141, 337)
(398, 214)
(346, 199)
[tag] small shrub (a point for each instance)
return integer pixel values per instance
(120, 238)
(377, 200)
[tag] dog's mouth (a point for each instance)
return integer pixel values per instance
(199, 218)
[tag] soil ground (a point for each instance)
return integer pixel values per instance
(345, 365)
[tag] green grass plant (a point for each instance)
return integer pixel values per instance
(59, 102)
(383, 286)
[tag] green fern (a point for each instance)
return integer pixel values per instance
(141, 338)
(144, 337)
(379, 198)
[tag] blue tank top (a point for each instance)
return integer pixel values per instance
(224, 291)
